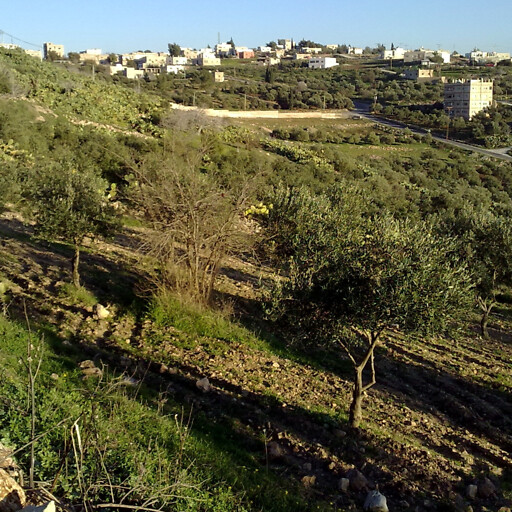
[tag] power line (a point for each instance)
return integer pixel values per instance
(2, 33)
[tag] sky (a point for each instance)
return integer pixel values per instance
(121, 26)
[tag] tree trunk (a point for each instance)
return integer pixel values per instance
(483, 325)
(75, 263)
(356, 413)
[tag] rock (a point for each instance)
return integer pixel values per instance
(471, 491)
(404, 504)
(344, 484)
(89, 369)
(307, 467)
(308, 481)
(204, 385)
(102, 312)
(130, 381)
(12, 496)
(486, 488)
(358, 481)
(339, 434)
(54, 376)
(6, 461)
(375, 502)
(274, 450)
(47, 507)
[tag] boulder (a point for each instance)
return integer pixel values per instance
(102, 312)
(47, 507)
(486, 488)
(471, 491)
(358, 481)
(204, 385)
(274, 451)
(12, 496)
(89, 369)
(375, 502)
(344, 484)
(308, 481)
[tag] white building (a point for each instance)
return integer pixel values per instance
(354, 51)
(189, 53)
(422, 55)
(208, 58)
(480, 57)
(393, 53)
(307, 49)
(419, 75)
(57, 49)
(465, 98)
(176, 61)
(35, 53)
(223, 50)
(172, 69)
(322, 63)
(287, 44)
(93, 51)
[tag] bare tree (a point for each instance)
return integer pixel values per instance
(197, 222)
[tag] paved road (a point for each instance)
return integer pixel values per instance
(362, 109)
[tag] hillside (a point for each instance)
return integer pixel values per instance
(189, 404)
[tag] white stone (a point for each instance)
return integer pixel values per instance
(344, 484)
(47, 507)
(102, 312)
(204, 385)
(375, 502)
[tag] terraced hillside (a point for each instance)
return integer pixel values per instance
(438, 420)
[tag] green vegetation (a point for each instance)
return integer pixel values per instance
(258, 281)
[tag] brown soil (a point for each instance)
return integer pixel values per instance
(439, 418)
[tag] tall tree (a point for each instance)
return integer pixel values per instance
(174, 49)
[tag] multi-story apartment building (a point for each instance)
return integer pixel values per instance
(58, 49)
(465, 98)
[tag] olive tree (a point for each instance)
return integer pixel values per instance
(350, 276)
(71, 204)
(485, 242)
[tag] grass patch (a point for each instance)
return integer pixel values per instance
(77, 296)
(129, 440)
(169, 310)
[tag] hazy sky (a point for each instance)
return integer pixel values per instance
(124, 25)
